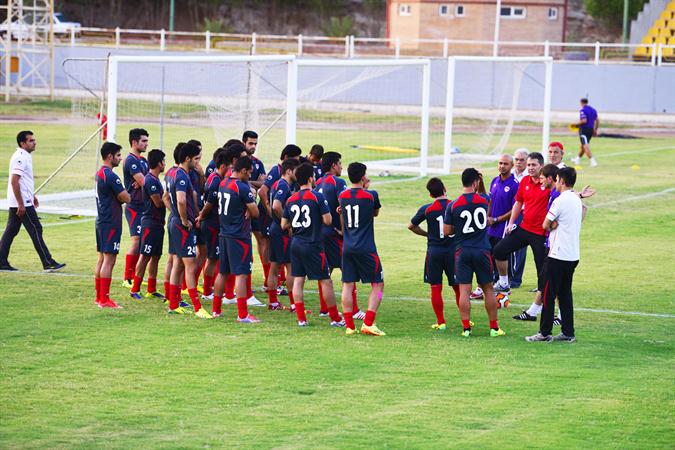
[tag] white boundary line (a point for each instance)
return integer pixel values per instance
(634, 152)
(632, 199)
(387, 297)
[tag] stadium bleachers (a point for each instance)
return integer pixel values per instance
(661, 32)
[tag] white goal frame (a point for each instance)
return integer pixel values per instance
(450, 98)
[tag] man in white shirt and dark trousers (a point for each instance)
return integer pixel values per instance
(22, 203)
(564, 223)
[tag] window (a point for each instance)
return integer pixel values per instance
(459, 10)
(404, 10)
(513, 12)
(553, 14)
(443, 10)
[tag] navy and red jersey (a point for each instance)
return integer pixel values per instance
(182, 183)
(132, 165)
(169, 179)
(197, 186)
(468, 216)
(331, 187)
(272, 177)
(318, 173)
(258, 168)
(304, 210)
(233, 196)
(433, 214)
(358, 208)
(281, 191)
(211, 196)
(108, 208)
(534, 198)
(210, 168)
(152, 215)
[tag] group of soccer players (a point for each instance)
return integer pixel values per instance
(307, 223)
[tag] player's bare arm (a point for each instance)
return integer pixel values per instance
(327, 219)
(277, 209)
(21, 209)
(514, 214)
(285, 224)
(448, 229)
(157, 201)
(124, 197)
(252, 210)
(139, 180)
(263, 194)
(166, 198)
(257, 183)
(181, 200)
(376, 212)
(417, 230)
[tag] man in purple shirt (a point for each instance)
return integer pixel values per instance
(588, 127)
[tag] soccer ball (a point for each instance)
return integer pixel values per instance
(502, 301)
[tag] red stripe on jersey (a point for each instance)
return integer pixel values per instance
(132, 213)
(329, 179)
(276, 183)
(101, 173)
(477, 198)
(246, 248)
(294, 198)
(232, 185)
(347, 193)
(363, 194)
(461, 201)
(323, 260)
(184, 235)
(309, 195)
(377, 261)
(111, 234)
(435, 206)
(211, 177)
(145, 233)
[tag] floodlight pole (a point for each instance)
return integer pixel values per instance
(172, 9)
(625, 21)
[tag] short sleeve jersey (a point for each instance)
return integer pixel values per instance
(331, 187)
(108, 208)
(194, 179)
(258, 168)
(502, 197)
(152, 215)
(433, 214)
(590, 114)
(211, 197)
(182, 183)
(169, 180)
(358, 208)
(281, 192)
(210, 168)
(273, 176)
(318, 173)
(133, 165)
(534, 198)
(468, 216)
(234, 196)
(304, 210)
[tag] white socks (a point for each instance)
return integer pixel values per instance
(534, 309)
(504, 280)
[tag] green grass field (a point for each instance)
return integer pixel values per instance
(74, 376)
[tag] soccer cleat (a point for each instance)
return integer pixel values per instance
(253, 301)
(502, 300)
(276, 307)
(282, 291)
(179, 311)
(575, 160)
(302, 323)
(497, 333)
(203, 314)
(359, 315)
(339, 324)
(500, 287)
(54, 266)
(323, 314)
(439, 326)
(539, 338)
(477, 294)
(351, 331)
(533, 290)
(135, 295)
(154, 295)
(127, 284)
(184, 292)
(525, 316)
(466, 333)
(109, 304)
(557, 321)
(217, 315)
(264, 289)
(8, 268)
(562, 337)
(248, 319)
(372, 330)
(207, 297)
(229, 301)
(594, 163)
(186, 305)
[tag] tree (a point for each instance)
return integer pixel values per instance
(610, 12)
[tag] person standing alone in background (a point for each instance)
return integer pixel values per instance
(588, 127)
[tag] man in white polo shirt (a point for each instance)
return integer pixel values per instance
(22, 203)
(563, 220)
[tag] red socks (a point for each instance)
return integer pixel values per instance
(349, 319)
(217, 304)
(130, 266)
(455, 287)
(208, 284)
(137, 284)
(355, 305)
(322, 303)
(167, 290)
(290, 297)
(466, 324)
(242, 308)
(183, 286)
(229, 286)
(97, 282)
(370, 318)
(197, 273)
(174, 296)
(104, 291)
(194, 296)
(282, 275)
(266, 269)
(334, 314)
(300, 311)
(249, 288)
(272, 296)
(494, 324)
(152, 285)
(437, 302)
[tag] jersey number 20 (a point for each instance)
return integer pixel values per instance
(479, 219)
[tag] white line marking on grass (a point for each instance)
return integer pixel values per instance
(635, 152)
(632, 199)
(70, 222)
(400, 180)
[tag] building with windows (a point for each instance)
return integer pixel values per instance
(520, 20)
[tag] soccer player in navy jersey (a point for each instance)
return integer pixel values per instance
(152, 228)
(440, 248)
(280, 240)
(183, 232)
(134, 169)
(110, 194)
(169, 179)
(198, 180)
(306, 213)
(236, 209)
(467, 219)
(360, 261)
(315, 156)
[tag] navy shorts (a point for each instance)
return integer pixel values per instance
(439, 260)
(236, 256)
(209, 235)
(263, 222)
(308, 260)
(585, 135)
(280, 248)
(332, 245)
(364, 267)
(108, 239)
(184, 241)
(469, 260)
(133, 215)
(152, 241)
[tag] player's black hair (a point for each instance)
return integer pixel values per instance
(436, 187)
(328, 159)
(317, 150)
(303, 160)
(584, 101)
(243, 163)
(195, 142)
(155, 156)
(136, 133)
(248, 134)
(176, 152)
(290, 151)
(536, 155)
(289, 164)
(23, 136)
(550, 170)
(356, 172)
(234, 151)
(220, 157)
(231, 142)
(568, 176)
(215, 154)
(303, 173)
(109, 148)
(188, 151)
(470, 176)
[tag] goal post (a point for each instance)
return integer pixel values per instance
(504, 102)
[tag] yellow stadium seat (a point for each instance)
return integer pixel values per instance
(671, 7)
(660, 23)
(668, 52)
